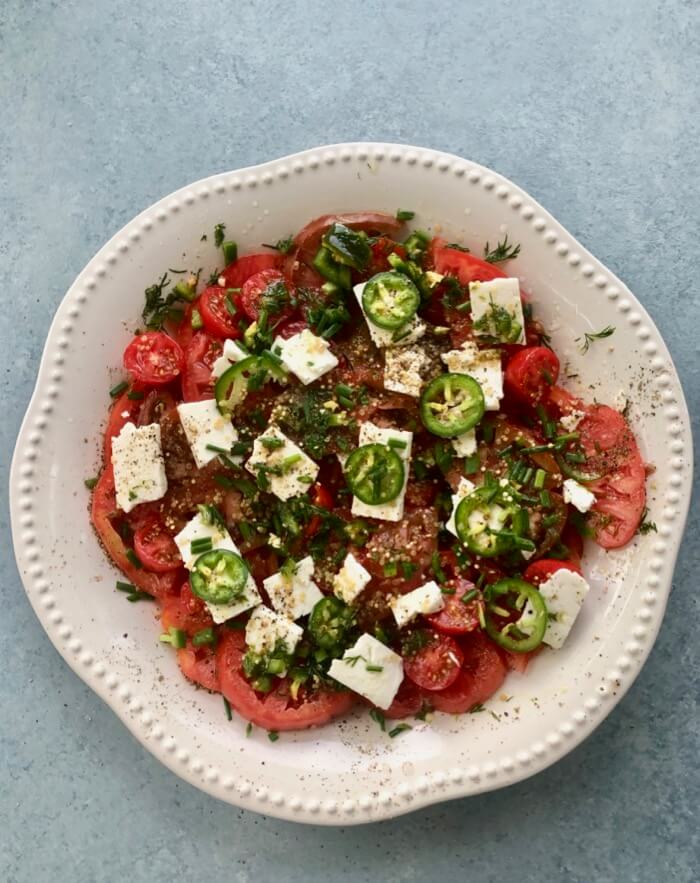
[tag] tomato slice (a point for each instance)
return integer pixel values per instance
(412, 540)
(289, 329)
(198, 664)
(541, 570)
(153, 358)
(308, 239)
(465, 266)
(213, 306)
(518, 661)
(155, 547)
(381, 249)
(482, 673)
(197, 382)
(530, 375)
(247, 265)
(154, 405)
(185, 611)
(124, 410)
(456, 617)
(436, 665)
(408, 701)
(254, 289)
(104, 509)
(275, 710)
(323, 498)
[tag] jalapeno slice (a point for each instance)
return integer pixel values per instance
(330, 624)
(451, 404)
(524, 634)
(232, 386)
(576, 468)
(375, 474)
(480, 521)
(219, 577)
(390, 300)
(349, 247)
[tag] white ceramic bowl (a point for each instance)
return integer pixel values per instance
(347, 772)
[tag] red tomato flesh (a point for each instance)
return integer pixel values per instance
(185, 611)
(213, 306)
(198, 664)
(465, 266)
(408, 701)
(153, 358)
(482, 673)
(530, 375)
(247, 265)
(436, 665)
(254, 290)
(540, 571)
(155, 547)
(456, 617)
(197, 380)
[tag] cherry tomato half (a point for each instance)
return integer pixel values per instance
(321, 497)
(456, 617)
(153, 358)
(541, 570)
(255, 290)
(437, 664)
(155, 547)
(215, 307)
(200, 356)
(530, 375)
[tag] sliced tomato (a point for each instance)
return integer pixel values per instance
(247, 265)
(308, 239)
(518, 661)
(153, 358)
(104, 510)
(573, 541)
(289, 329)
(381, 249)
(154, 405)
(184, 331)
(253, 292)
(215, 310)
(124, 410)
(436, 665)
(530, 375)
(456, 617)
(155, 547)
(408, 701)
(185, 611)
(564, 402)
(198, 664)
(482, 673)
(465, 266)
(197, 381)
(276, 710)
(412, 540)
(541, 570)
(621, 493)
(323, 498)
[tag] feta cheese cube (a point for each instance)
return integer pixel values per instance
(370, 669)
(488, 299)
(423, 600)
(571, 420)
(199, 528)
(371, 435)
(402, 369)
(432, 278)
(351, 579)
(306, 355)
(383, 337)
(483, 365)
(297, 470)
(274, 541)
(233, 352)
(464, 489)
(266, 629)
(578, 495)
(465, 445)
(139, 467)
(564, 593)
(295, 595)
(204, 425)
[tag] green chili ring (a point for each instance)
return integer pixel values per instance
(451, 405)
(390, 300)
(348, 247)
(219, 577)
(232, 386)
(330, 622)
(537, 625)
(477, 534)
(375, 474)
(576, 470)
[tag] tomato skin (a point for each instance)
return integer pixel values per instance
(464, 265)
(408, 701)
(518, 661)
(436, 665)
(255, 287)
(530, 375)
(215, 314)
(197, 381)
(198, 664)
(185, 611)
(482, 673)
(247, 265)
(155, 547)
(153, 358)
(323, 498)
(275, 710)
(381, 249)
(122, 406)
(541, 570)
(289, 329)
(457, 618)
(308, 239)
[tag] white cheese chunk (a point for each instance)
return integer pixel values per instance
(483, 365)
(351, 579)
(306, 355)
(233, 352)
(295, 595)
(578, 495)
(371, 435)
(488, 299)
(571, 421)
(371, 669)
(402, 369)
(465, 445)
(274, 541)
(423, 600)
(204, 425)
(298, 471)
(432, 278)
(564, 593)
(464, 489)
(198, 529)
(139, 467)
(266, 630)
(383, 337)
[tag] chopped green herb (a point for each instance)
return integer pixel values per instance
(283, 246)
(476, 708)
(404, 215)
(219, 231)
(400, 728)
(175, 637)
(588, 339)
(133, 558)
(248, 729)
(227, 709)
(504, 251)
(90, 483)
(135, 395)
(273, 735)
(196, 320)
(378, 718)
(230, 251)
(118, 389)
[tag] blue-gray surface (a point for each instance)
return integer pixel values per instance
(593, 108)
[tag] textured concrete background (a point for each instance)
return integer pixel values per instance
(593, 108)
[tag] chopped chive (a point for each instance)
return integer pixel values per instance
(537, 449)
(248, 729)
(204, 637)
(379, 718)
(391, 568)
(240, 447)
(196, 321)
(527, 475)
(118, 389)
(134, 395)
(272, 443)
(231, 308)
(370, 667)
(201, 545)
(397, 443)
(405, 215)
(575, 457)
(229, 714)
(230, 250)
(273, 735)
(247, 530)
(464, 307)
(175, 637)
(540, 477)
(469, 596)
(436, 568)
(139, 596)
(217, 449)
(546, 499)
(401, 728)
(448, 591)
(342, 389)
(133, 558)
(472, 464)
(224, 481)
(125, 587)
(549, 520)
(90, 483)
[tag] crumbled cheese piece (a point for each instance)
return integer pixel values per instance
(204, 425)
(371, 435)
(266, 630)
(306, 355)
(465, 445)
(351, 579)
(233, 352)
(464, 489)
(423, 600)
(274, 541)
(371, 669)
(483, 365)
(298, 470)
(488, 298)
(139, 467)
(578, 495)
(295, 595)
(564, 593)
(571, 421)
(402, 369)
(383, 337)
(432, 278)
